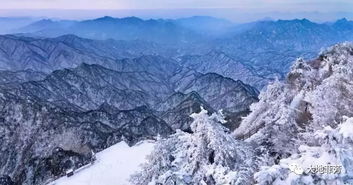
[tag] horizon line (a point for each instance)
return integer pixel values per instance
(198, 8)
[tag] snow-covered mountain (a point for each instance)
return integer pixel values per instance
(221, 63)
(270, 47)
(42, 54)
(266, 48)
(39, 138)
(88, 86)
(9, 77)
(70, 112)
(256, 53)
(62, 98)
(297, 125)
(300, 132)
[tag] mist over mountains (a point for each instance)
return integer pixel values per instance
(266, 48)
(69, 87)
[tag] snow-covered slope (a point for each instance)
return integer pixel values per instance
(306, 120)
(113, 166)
(221, 63)
(299, 133)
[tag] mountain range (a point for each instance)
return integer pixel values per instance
(72, 88)
(267, 47)
(90, 107)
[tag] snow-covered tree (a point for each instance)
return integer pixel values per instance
(332, 97)
(328, 160)
(209, 155)
(315, 94)
(272, 125)
(295, 123)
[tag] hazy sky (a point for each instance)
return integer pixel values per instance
(259, 5)
(235, 9)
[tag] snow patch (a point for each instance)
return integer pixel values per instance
(113, 166)
(346, 128)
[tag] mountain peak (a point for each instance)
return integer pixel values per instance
(194, 95)
(90, 67)
(44, 21)
(342, 20)
(68, 37)
(105, 18)
(343, 24)
(301, 21)
(131, 19)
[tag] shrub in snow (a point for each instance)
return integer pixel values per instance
(209, 155)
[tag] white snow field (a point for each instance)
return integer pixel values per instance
(113, 166)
